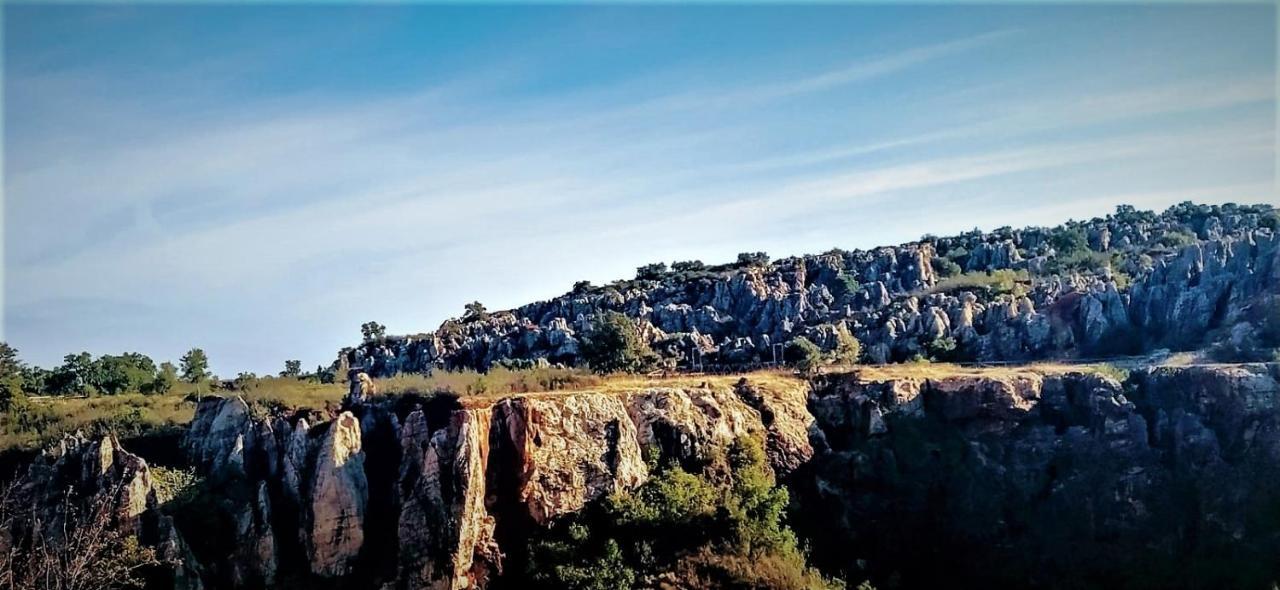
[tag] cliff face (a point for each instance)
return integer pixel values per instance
(914, 477)
(1070, 480)
(459, 485)
(1147, 281)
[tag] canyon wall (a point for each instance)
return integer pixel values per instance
(1071, 480)
(912, 477)
(437, 493)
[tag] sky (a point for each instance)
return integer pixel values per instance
(259, 181)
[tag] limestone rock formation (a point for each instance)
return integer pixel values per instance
(460, 475)
(570, 450)
(1132, 293)
(338, 500)
(983, 471)
(95, 483)
(1027, 462)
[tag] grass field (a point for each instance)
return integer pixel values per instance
(43, 421)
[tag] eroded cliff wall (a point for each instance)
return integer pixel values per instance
(1052, 478)
(1068, 480)
(465, 480)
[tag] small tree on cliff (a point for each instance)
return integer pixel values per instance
(292, 368)
(475, 312)
(848, 349)
(753, 259)
(804, 354)
(372, 331)
(614, 345)
(195, 366)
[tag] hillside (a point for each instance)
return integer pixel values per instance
(1193, 276)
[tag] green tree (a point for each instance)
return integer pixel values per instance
(164, 381)
(1068, 241)
(113, 375)
(74, 377)
(245, 380)
(475, 312)
(373, 331)
(848, 349)
(12, 397)
(753, 259)
(688, 266)
(651, 272)
(195, 366)
(35, 380)
(613, 345)
(292, 368)
(846, 286)
(804, 354)
(12, 372)
(10, 364)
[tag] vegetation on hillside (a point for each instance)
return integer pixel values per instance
(89, 553)
(721, 528)
(613, 345)
(1000, 282)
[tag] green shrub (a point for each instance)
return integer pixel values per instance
(1002, 282)
(715, 530)
(942, 349)
(804, 354)
(651, 272)
(753, 259)
(1111, 371)
(613, 345)
(1068, 241)
(945, 267)
(1177, 239)
(848, 349)
(174, 485)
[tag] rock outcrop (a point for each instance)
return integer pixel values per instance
(1141, 286)
(1055, 480)
(80, 493)
(999, 477)
(339, 497)
(465, 480)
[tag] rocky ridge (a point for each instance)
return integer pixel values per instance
(1179, 280)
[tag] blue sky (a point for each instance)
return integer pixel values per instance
(259, 181)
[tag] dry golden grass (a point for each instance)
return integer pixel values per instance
(928, 370)
(134, 414)
(44, 421)
(292, 393)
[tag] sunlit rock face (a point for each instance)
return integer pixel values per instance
(1140, 295)
(338, 499)
(466, 477)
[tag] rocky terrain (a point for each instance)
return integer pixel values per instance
(912, 475)
(1131, 282)
(1044, 477)
(1069, 480)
